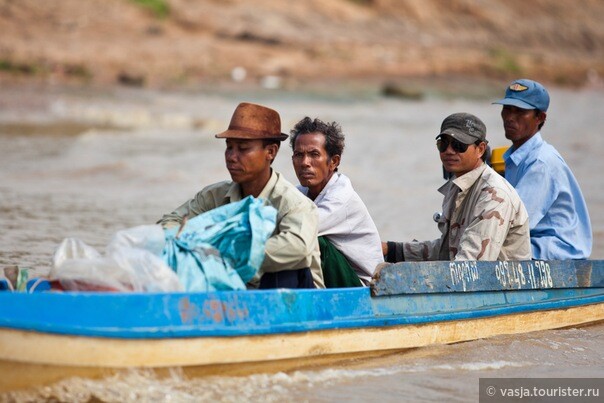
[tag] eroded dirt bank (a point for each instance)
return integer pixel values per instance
(121, 41)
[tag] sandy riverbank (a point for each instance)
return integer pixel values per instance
(184, 44)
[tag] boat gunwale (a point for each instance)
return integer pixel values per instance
(381, 312)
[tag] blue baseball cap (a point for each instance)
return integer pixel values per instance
(526, 94)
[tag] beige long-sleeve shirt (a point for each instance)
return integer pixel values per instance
(294, 243)
(483, 219)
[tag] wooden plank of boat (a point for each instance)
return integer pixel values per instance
(181, 329)
(467, 276)
(34, 347)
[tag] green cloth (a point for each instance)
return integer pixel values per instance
(337, 271)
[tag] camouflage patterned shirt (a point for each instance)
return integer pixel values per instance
(483, 219)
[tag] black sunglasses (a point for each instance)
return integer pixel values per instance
(457, 146)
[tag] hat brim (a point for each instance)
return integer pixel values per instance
(243, 135)
(515, 102)
(460, 136)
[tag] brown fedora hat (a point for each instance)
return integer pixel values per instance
(254, 122)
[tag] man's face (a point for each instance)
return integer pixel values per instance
(312, 164)
(246, 160)
(460, 163)
(520, 124)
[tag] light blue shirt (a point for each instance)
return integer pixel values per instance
(559, 221)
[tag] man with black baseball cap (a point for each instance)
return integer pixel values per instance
(483, 217)
(559, 221)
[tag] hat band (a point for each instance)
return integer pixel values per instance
(253, 131)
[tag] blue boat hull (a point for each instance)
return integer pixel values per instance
(408, 305)
(232, 313)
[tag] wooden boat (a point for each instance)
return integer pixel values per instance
(408, 305)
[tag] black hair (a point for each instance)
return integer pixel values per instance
(334, 138)
(537, 112)
(268, 142)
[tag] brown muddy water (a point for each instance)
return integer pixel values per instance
(85, 164)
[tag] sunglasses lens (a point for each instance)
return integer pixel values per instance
(457, 146)
(442, 145)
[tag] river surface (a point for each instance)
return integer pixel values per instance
(86, 164)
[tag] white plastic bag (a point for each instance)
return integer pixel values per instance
(132, 263)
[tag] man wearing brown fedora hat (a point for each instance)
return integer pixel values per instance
(292, 258)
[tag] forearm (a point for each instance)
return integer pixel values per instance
(393, 251)
(293, 244)
(189, 209)
(172, 219)
(287, 252)
(412, 251)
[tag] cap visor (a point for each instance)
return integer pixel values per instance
(514, 102)
(457, 135)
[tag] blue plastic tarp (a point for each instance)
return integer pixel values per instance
(221, 249)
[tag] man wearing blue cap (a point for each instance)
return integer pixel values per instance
(559, 221)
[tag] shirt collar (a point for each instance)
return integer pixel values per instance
(517, 155)
(331, 181)
(269, 185)
(234, 192)
(464, 182)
